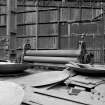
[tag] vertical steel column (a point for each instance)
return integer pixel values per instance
(103, 6)
(8, 20)
(11, 23)
(58, 21)
(80, 7)
(37, 21)
(69, 35)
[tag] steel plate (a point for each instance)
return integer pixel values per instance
(42, 79)
(88, 69)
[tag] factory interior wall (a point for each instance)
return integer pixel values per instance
(54, 28)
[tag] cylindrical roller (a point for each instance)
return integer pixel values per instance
(54, 53)
(56, 60)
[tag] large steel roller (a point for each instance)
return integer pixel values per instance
(56, 60)
(54, 53)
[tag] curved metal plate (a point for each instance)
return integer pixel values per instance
(7, 68)
(50, 77)
(88, 69)
(44, 78)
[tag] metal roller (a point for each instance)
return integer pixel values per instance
(56, 60)
(54, 53)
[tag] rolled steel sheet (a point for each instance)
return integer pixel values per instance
(54, 53)
(88, 69)
(13, 68)
(56, 60)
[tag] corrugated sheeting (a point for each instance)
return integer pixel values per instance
(20, 8)
(24, 18)
(31, 30)
(3, 9)
(3, 40)
(3, 54)
(48, 16)
(28, 30)
(64, 43)
(53, 15)
(88, 28)
(21, 30)
(70, 42)
(69, 14)
(47, 29)
(47, 43)
(77, 14)
(22, 41)
(94, 33)
(44, 16)
(30, 8)
(3, 17)
(63, 29)
(98, 55)
(20, 18)
(90, 13)
(30, 17)
(2, 30)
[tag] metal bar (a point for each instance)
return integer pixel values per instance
(60, 98)
(25, 11)
(58, 22)
(3, 25)
(37, 22)
(103, 39)
(76, 35)
(55, 6)
(53, 85)
(25, 36)
(36, 102)
(50, 9)
(2, 14)
(8, 19)
(69, 22)
(49, 36)
(3, 4)
(26, 24)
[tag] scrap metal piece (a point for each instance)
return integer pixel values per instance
(74, 91)
(10, 93)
